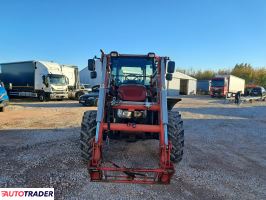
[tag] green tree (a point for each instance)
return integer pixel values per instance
(224, 71)
(244, 71)
(204, 75)
(260, 77)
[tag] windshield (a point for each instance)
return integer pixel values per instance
(132, 70)
(256, 89)
(57, 79)
(217, 83)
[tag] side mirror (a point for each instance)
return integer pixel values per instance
(171, 67)
(169, 77)
(67, 80)
(45, 80)
(93, 74)
(91, 64)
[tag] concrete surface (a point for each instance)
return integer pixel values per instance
(224, 152)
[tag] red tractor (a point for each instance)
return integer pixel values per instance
(132, 102)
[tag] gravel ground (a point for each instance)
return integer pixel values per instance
(224, 152)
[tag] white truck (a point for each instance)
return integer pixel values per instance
(226, 86)
(40, 79)
(75, 89)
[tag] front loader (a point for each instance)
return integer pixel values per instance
(132, 103)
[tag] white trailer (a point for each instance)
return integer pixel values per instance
(226, 85)
(72, 74)
(75, 90)
(235, 84)
(40, 79)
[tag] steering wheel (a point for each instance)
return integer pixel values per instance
(134, 76)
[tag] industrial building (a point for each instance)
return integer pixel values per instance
(182, 84)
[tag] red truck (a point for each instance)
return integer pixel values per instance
(226, 86)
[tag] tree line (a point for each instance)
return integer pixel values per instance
(256, 76)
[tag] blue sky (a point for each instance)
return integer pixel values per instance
(198, 34)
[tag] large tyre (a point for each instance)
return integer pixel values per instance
(78, 94)
(88, 102)
(176, 135)
(87, 134)
(41, 97)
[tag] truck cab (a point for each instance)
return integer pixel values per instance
(3, 97)
(55, 86)
(218, 87)
(50, 79)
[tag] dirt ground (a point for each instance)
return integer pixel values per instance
(224, 152)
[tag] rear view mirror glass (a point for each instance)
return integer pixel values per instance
(171, 67)
(91, 64)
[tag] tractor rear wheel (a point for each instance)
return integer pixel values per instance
(87, 134)
(176, 135)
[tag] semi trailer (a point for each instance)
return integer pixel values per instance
(203, 86)
(38, 79)
(75, 89)
(226, 86)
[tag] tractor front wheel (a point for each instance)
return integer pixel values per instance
(87, 134)
(176, 135)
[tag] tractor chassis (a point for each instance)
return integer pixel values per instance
(164, 172)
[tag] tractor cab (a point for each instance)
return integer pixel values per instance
(131, 76)
(132, 70)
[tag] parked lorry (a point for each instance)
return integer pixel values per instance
(3, 97)
(203, 86)
(75, 89)
(226, 86)
(39, 79)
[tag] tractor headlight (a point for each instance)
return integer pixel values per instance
(128, 114)
(124, 113)
(139, 114)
